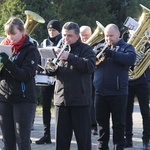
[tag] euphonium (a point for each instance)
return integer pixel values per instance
(52, 65)
(139, 39)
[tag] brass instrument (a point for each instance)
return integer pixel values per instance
(52, 65)
(100, 56)
(139, 39)
(97, 36)
(32, 20)
(96, 41)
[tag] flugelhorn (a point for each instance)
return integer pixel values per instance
(52, 65)
(100, 56)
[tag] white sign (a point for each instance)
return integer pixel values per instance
(131, 23)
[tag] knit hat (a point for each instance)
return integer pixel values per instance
(54, 24)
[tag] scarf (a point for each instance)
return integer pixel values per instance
(15, 46)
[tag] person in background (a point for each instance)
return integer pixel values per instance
(139, 88)
(111, 87)
(85, 33)
(47, 92)
(17, 86)
(73, 89)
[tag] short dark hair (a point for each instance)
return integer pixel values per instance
(72, 26)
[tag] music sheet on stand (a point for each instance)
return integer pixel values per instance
(47, 52)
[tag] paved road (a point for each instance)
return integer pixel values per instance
(38, 132)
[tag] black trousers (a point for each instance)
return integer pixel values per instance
(93, 118)
(47, 93)
(15, 122)
(69, 119)
(142, 93)
(116, 107)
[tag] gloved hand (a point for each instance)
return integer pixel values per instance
(3, 58)
(108, 53)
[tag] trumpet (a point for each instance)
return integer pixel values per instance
(52, 65)
(100, 56)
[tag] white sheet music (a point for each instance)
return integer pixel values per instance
(6, 49)
(47, 52)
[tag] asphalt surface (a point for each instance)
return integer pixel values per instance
(38, 133)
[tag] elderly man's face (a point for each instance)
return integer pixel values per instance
(85, 35)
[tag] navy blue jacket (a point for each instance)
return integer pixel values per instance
(111, 75)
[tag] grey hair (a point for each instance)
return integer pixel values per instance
(84, 27)
(72, 26)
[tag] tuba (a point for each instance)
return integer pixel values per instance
(96, 41)
(139, 39)
(97, 36)
(32, 20)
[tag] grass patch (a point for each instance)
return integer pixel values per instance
(39, 109)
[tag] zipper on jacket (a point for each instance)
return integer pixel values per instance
(23, 88)
(118, 86)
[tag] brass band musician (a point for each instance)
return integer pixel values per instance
(111, 84)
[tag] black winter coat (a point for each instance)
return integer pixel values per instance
(73, 85)
(17, 82)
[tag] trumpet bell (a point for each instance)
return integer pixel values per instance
(51, 66)
(32, 20)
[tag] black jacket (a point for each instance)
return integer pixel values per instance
(51, 41)
(144, 78)
(17, 83)
(73, 82)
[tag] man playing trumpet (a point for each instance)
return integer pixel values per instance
(73, 89)
(111, 87)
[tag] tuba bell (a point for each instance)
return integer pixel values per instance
(32, 20)
(97, 36)
(139, 39)
(96, 40)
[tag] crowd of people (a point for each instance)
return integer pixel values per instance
(85, 94)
